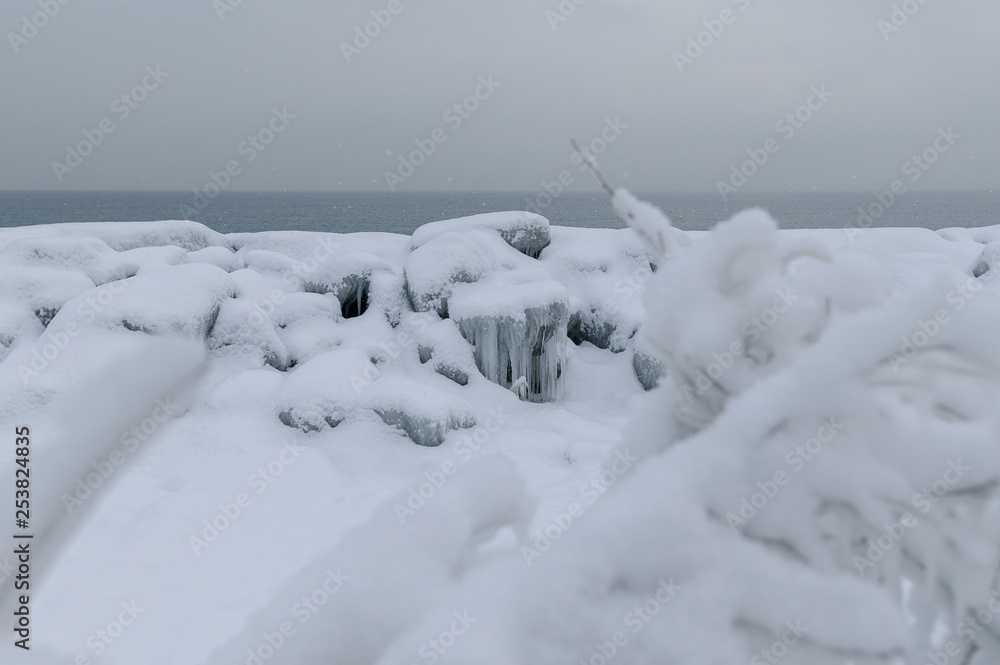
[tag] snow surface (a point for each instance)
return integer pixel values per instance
(721, 466)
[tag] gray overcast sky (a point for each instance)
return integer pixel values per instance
(609, 59)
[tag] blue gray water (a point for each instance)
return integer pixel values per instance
(402, 213)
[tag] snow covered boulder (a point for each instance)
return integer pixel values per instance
(423, 411)
(432, 270)
(45, 291)
(347, 276)
(647, 367)
(517, 327)
(526, 232)
(244, 329)
(988, 260)
(442, 347)
(324, 391)
(90, 256)
(182, 299)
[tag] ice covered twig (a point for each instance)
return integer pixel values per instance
(645, 219)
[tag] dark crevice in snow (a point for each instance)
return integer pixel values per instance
(46, 314)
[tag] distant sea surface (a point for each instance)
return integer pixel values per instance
(232, 212)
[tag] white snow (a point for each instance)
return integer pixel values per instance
(224, 436)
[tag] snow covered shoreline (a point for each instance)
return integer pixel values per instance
(298, 370)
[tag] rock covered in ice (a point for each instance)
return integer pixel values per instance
(324, 391)
(387, 294)
(123, 236)
(988, 260)
(423, 411)
(91, 256)
(187, 300)
(347, 276)
(220, 257)
(442, 347)
(526, 232)
(434, 267)
(44, 291)
(604, 271)
(243, 329)
(647, 367)
(516, 323)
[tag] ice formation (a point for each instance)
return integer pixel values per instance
(517, 329)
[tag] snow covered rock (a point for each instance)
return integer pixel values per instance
(441, 345)
(326, 390)
(423, 411)
(988, 260)
(647, 367)
(220, 257)
(518, 328)
(526, 232)
(182, 299)
(433, 268)
(242, 328)
(348, 277)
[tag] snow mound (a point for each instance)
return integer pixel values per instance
(187, 301)
(647, 367)
(326, 390)
(426, 413)
(220, 257)
(123, 236)
(43, 291)
(90, 256)
(348, 277)
(243, 329)
(434, 268)
(988, 260)
(526, 232)
(442, 347)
